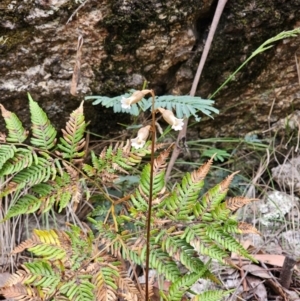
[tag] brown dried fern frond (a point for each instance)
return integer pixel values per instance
(160, 162)
(28, 243)
(201, 172)
(15, 278)
(237, 202)
(128, 288)
(246, 228)
(226, 182)
(18, 292)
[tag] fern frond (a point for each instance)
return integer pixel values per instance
(105, 282)
(180, 286)
(181, 252)
(16, 132)
(159, 163)
(197, 237)
(26, 204)
(112, 161)
(163, 263)
(128, 287)
(6, 152)
(226, 241)
(235, 203)
(246, 228)
(216, 195)
(80, 248)
(47, 245)
(32, 175)
(182, 202)
(79, 289)
(22, 158)
(18, 292)
(60, 192)
(41, 274)
(215, 295)
(73, 141)
(16, 278)
(44, 134)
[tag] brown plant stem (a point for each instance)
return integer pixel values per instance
(150, 200)
(182, 133)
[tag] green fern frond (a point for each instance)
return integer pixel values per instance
(47, 245)
(22, 158)
(81, 246)
(181, 285)
(16, 132)
(215, 295)
(6, 152)
(226, 241)
(40, 274)
(112, 161)
(25, 205)
(163, 263)
(181, 252)
(221, 213)
(79, 289)
(197, 237)
(44, 134)
(158, 181)
(182, 202)
(72, 143)
(159, 165)
(32, 175)
(214, 196)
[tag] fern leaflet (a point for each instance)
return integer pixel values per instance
(44, 134)
(72, 143)
(16, 132)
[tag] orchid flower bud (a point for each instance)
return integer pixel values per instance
(141, 138)
(168, 116)
(134, 98)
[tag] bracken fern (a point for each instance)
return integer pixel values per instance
(82, 265)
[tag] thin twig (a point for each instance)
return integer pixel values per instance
(182, 133)
(76, 10)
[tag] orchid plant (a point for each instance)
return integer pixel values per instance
(143, 133)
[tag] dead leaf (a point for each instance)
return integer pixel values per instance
(256, 271)
(258, 289)
(270, 259)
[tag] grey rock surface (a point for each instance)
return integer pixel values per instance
(127, 42)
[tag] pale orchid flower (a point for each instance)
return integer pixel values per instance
(168, 116)
(134, 98)
(141, 138)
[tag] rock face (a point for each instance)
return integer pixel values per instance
(128, 41)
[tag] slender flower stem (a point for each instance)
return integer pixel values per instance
(150, 199)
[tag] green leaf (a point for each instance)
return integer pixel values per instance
(185, 106)
(220, 154)
(72, 143)
(16, 132)
(43, 132)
